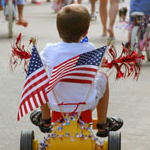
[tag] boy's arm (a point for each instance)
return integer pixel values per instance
(104, 62)
(45, 112)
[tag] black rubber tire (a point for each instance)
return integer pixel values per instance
(26, 140)
(114, 140)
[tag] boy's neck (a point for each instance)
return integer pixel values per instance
(71, 42)
(74, 41)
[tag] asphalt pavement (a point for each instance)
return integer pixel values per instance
(129, 99)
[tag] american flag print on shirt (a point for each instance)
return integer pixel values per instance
(79, 69)
(34, 94)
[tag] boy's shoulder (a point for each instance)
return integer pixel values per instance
(68, 46)
(50, 47)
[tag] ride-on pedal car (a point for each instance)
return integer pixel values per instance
(71, 133)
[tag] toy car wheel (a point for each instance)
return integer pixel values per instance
(148, 52)
(135, 40)
(148, 44)
(26, 140)
(114, 140)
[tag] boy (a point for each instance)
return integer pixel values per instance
(137, 6)
(72, 24)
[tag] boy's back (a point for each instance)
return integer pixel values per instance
(55, 54)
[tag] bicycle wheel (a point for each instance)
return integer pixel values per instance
(114, 140)
(135, 40)
(148, 44)
(10, 18)
(26, 140)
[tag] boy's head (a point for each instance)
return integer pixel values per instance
(73, 22)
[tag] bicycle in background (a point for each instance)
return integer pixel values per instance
(140, 37)
(9, 8)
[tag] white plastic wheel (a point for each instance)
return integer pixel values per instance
(148, 48)
(135, 40)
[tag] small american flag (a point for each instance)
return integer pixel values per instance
(79, 69)
(34, 94)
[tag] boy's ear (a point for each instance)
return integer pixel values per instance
(84, 34)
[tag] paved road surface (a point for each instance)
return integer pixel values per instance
(129, 99)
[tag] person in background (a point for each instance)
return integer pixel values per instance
(39, 1)
(20, 7)
(93, 15)
(113, 10)
(137, 6)
(1, 8)
(105, 14)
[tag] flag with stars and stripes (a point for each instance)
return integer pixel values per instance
(34, 94)
(79, 69)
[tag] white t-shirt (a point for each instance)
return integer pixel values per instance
(53, 55)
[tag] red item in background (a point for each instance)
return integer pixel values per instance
(19, 53)
(126, 64)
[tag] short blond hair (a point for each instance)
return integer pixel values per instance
(72, 22)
